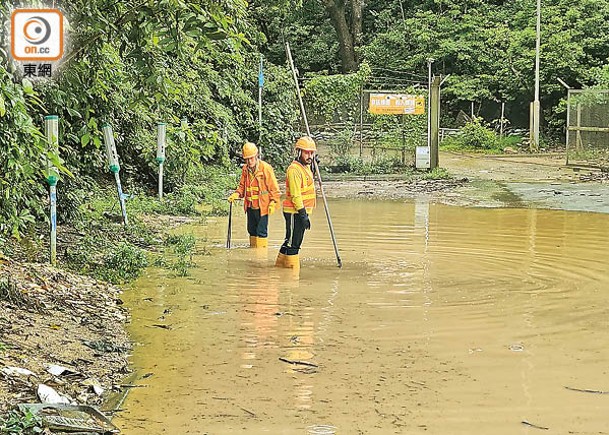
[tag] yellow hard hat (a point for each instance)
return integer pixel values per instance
(306, 143)
(249, 150)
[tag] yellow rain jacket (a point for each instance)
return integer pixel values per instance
(300, 188)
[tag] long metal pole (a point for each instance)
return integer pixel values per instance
(230, 222)
(260, 86)
(314, 164)
(302, 109)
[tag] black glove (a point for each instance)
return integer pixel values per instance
(316, 158)
(304, 217)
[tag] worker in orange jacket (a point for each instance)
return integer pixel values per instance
(260, 191)
(299, 202)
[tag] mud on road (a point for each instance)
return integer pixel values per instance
(539, 181)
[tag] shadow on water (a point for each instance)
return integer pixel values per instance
(443, 320)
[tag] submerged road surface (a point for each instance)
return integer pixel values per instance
(443, 320)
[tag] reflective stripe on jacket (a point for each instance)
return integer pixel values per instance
(300, 188)
(258, 188)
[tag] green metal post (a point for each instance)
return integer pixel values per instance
(51, 126)
(114, 167)
(160, 153)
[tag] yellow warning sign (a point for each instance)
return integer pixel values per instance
(396, 104)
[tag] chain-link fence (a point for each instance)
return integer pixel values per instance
(587, 135)
(355, 133)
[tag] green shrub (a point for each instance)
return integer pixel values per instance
(437, 174)
(17, 422)
(355, 165)
(183, 246)
(474, 135)
(122, 264)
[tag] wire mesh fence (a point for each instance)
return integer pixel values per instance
(352, 132)
(587, 134)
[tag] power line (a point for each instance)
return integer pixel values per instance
(397, 72)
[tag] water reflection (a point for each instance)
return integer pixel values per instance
(259, 299)
(442, 320)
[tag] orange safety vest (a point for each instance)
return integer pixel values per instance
(259, 188)
(307, 188)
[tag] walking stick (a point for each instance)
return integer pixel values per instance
(230, 223)
(314, 163)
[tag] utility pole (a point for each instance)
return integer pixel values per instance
(534, 146)
(429, 62)
(434, 123)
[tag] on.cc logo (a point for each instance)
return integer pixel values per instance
(37, 30)
(36, 34)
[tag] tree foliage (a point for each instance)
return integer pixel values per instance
(133, 63)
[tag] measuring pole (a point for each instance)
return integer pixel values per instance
(51, 126)
(314, 163)
(114, 167)
(160, 153)
(260, 86)
(230, 225)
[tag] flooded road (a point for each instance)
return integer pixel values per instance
(443, 320)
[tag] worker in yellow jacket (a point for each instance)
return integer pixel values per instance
(260, 191)
(299, 202)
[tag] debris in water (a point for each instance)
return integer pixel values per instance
(526, 423)
(585, 390)
(321, 429)
(297, 362)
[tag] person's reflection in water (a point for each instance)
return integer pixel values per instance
(298, 342)
(260, 302)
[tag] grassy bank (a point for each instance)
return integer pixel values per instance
(92, 240)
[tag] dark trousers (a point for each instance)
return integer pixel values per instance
(257, 225)
(294, 233)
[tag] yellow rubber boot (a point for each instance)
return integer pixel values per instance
(292, 261)
(280, 262)
(253, 241)
(262, 242)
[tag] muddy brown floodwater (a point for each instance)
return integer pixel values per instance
(443, 320)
